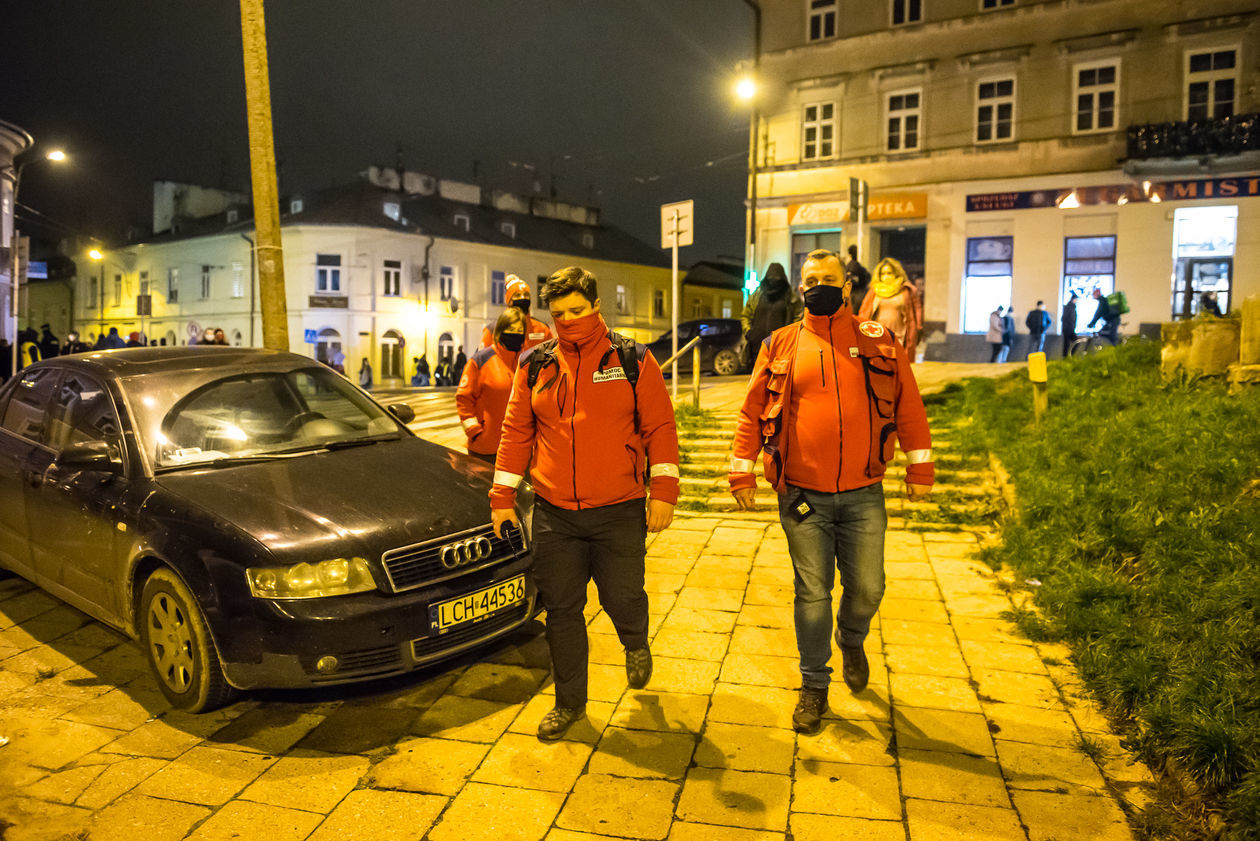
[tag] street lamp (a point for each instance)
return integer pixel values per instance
(56, 156)
(746, 89)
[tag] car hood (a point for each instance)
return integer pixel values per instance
(362, 501)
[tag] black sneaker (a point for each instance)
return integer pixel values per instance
(857, 670)
(638, 667)
(557, 722)
(807, 717)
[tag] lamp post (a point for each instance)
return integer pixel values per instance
(56, 156)
(98, 256)
(747, 90)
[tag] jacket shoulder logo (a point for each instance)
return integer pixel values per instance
(873, 329)
(609, 374)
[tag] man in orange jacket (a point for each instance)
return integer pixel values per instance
(827, 402)
(516, 293)
(593, 429)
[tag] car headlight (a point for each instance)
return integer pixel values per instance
(337, 577)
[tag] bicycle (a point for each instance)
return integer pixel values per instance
(1097, 340)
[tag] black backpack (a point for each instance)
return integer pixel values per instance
(627, 354)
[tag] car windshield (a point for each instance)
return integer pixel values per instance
(255, 415)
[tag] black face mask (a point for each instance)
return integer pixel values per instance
(824, 300)
(522, 304)
(512, 341)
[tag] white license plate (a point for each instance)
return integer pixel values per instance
(478, 605)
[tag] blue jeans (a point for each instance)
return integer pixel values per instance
(844, 531)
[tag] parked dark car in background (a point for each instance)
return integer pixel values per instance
(721, 345)
(251, 517)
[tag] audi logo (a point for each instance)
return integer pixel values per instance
(465, 552)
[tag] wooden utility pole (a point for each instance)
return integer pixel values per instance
(262, 164)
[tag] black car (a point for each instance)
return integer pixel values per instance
(721, 345)
(251, 517)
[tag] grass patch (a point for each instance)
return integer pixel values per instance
(1138, 513)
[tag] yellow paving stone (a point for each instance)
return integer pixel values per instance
(1055, 817)
(710, 598)
(935, 821)
(370, 815)
(643, 753)
(941, 693)
(871, 703)
(314, 782)
(499, 682)
(774, 558)
(518, 760)
(1118, 764)
(903, 632)
(806, 827)
(437, 766)
(649, 710)
(669, 564)
(121, 709)
(1088, 716)
(1034, 725)
(691, 645)
(766, 616)
(359, 728)
(769, 641)
(684, 831)
(953, 777)
(607, 805)
(1047, 768)
(984, 605)
(745, 704)
(587, 729)
(571, 835)
(1067, 678)
(940, 660)
(942, 730)
(745, 747)
(762, 670)
(672, 674)
(1055, 651)
(906, 568)
(606, 649)
(1004, 656)
(735, 798)
(135, 816)
(774, 595)
(721, 579)
(947, 537)
(847, 742)
(51, 744)
(911, 588)
(270, 730)
(1018, 688)
(493, 813)
(274, 823)
(210, 776)
(663, 582)
(116, 779)
(469, 719)
(708, 621)
(855, 791)
(29, 819)
(913, 610)
(64, 786)
(968, 585)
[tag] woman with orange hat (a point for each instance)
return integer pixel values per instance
(482, 396)
(516, 293)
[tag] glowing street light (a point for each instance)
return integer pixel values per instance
(96, 254)
(746, 88)
(56, 155)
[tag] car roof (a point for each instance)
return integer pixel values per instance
(129, 362)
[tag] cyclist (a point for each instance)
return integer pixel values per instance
(1109, 316)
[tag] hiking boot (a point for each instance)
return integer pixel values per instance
(557, 722)
(857, 671)
(638, 667)
(807, 717)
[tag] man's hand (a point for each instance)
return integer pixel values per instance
(499, 516)
(745, 499)
(473, 431)
(917, 492)
(659, 515)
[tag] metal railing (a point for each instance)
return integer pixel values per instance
(694, 347)
(1190, 138)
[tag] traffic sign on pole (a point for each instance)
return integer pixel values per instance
(677, 229)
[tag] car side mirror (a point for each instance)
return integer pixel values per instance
(89, 455)
(402, 411)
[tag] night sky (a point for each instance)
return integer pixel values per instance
(627, 104)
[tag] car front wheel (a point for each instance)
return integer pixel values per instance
(725, 363)
(178, 645)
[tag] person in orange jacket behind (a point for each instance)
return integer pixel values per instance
(516, 293)
(482, 396)
(602, 437)
(827, 402)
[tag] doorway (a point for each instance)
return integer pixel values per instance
(1203, 257)
(391, 355)
(803, 243)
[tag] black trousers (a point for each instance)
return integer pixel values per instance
(571, 548)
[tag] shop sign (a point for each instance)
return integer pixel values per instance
(1117, 194)
(329, 301)
(897, 206)
(818, 213)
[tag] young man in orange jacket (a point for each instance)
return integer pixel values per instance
(516, 293)
(593, 433)
(827, 402)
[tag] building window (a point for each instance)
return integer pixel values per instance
(393, 277)
(622, 308)
(588, 240)
(462, 221)
(446, 282)
(903, 121)
(233, 216)
(819, 131)
(726, 309)
(508, 229)
(995, 4)
(118, 292)
(393, 210)
(172, 286)
(498, 288)
(1089, 263)
(1211, 85)
(327, 272)
(144, 283)
(987, 280)
(906, 11)
(296, 206)
(1097, 87)
(658, 303)
(698, 309)
(822, 19)
(93, 293)
(995, 111)
(205, 282)
(238, 279)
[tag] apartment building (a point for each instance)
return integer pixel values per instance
(1012, 151)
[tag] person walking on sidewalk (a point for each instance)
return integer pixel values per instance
(1067, 324)
(829, 374)
(482, 396)
(1038, 322)
(772, 305)
(516, 293)
(592, 409)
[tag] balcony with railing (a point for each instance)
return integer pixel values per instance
(1200, 140)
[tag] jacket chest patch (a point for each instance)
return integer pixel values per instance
(608, 374)
(873, 329)
(539, 336)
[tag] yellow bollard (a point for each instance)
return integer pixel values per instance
(1038, 374)
(695, 376)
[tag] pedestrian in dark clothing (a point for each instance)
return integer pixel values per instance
(1067, 324)
(856, 274)
(442, 373)
(1008, 335)
(774, 304)
(365, 374)
(421, 378)
(49, 345)
(6, 360)
(111, 340)
(133, 339)
(73, 345)
(1108, 316)
(1038, 322)
(1208, 304)
(457, 370)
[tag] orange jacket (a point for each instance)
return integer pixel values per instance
(578, 421)
(482, 397)
(537, 333)
(827, 401)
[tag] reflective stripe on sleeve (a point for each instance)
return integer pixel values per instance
(742, 465)
(507, 480)
(664, 470)
(919, 456)
(470, 422)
